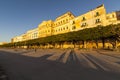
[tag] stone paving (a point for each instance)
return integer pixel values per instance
(60, 64)
(3, 75)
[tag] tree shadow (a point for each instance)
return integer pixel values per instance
(61, 57)
(20, 67)
(72, 59)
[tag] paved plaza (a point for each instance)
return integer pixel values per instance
(60, 64)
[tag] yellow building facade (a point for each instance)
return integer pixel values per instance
(45, 28)
(17, 39)
(68, 22)
(113, 18)
(62, 23)
(32, 34)
(2, 43)
(90, 19)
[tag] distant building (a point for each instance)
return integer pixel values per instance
(17, 39)
(68, 22)
(2, 43)
(31, 34)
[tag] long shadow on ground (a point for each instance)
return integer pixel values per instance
(21, 67)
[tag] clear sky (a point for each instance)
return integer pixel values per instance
(18, 16)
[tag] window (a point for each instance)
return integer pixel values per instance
(83, 19)
(98, 21)
(108, 17)
(97, 14)
(74, 27)
(59, 23)
(67, 27)
(63, 28)
(73, 22)
(113, 16)
(63, 21)
(70, 15)
(84, 24)
(66, 20)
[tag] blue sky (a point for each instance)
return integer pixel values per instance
(18, 16)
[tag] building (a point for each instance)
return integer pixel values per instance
(68, 22)
(62, 23)
(17, 39)
(113, 18)
(90, 19)
(32, 34)
(45, 28)
(2, 43)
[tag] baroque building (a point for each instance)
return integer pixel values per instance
(113, 17)
(62, 23)
(68, 22)
(45, 28)
(90, 19)
(30, 34)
